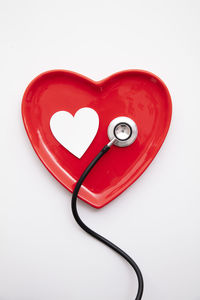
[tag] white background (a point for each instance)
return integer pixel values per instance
(43, 254)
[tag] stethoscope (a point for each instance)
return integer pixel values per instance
(122, 132)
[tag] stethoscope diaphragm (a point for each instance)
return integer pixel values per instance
(122, 131)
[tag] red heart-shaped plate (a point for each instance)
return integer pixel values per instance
(136, 94)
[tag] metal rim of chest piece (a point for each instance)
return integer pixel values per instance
(122, 131)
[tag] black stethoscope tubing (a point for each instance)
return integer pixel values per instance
(98, 236)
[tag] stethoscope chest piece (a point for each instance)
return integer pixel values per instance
(123, 131)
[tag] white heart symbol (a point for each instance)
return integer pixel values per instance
(75, 133)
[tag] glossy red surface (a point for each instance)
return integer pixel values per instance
(136, 94)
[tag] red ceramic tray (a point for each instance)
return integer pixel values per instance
(136, 94)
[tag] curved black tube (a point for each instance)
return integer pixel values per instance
(98, 236)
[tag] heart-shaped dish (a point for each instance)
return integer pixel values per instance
(136, 94)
